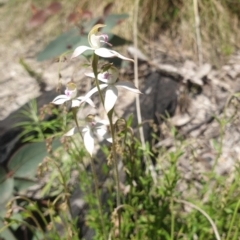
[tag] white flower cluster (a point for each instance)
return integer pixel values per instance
(108, 77)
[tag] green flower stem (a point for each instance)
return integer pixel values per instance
(30, 215)
(31, 202)
(52, 219)
(29, 226)
(34, 220)
(95, 184)
(95, 71)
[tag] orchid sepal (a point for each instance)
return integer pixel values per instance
(95, 41)
(92, 127)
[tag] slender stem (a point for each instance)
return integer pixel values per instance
(30, 215)
(29, 226)
(214, 227)
(35, 221)
(36, 209)
(52, 219)
(94, 66)
(136, 82)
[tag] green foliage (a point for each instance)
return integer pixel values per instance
(6, 186)
(25, 161)
(150, 208)
(21, 169)
(34, 128)
(5, 233)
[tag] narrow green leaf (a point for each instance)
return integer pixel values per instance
(61, 44)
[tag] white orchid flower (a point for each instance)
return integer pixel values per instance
(71, 95)
(96, 40)
(91, 128)
(110, 83)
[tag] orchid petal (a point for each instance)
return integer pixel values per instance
(94, 90)
(60, 99)
(101, 130)
(104, 134)
(90, 102)
(71, 132)
(79, 50)
(100, 76)
(77, 102)
(91, 75)
(110, 97)
(104, 52)
(108, 137)
(127, 85)
(88, 140)
(104, 122)
(91, 92)
(121, 56)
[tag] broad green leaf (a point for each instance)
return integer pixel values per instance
(38, 235)
(3, 212)
(25, 161)
(68, 40)
(112, 20)
(5, 233)
(23, 183)
(18, 218)
(3, 174)
(89, 24)
(6, 187)
(64, 42)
